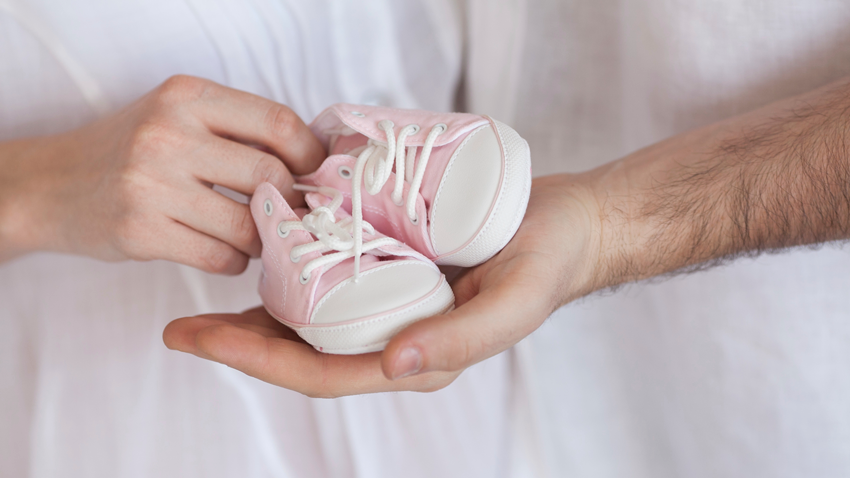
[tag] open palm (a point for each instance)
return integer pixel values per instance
(548, 263)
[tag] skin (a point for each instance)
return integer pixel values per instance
(772, 179)
(137, 185)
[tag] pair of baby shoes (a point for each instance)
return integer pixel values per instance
(401, 192)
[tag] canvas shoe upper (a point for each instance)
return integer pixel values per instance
(308, 279)
(452, 186)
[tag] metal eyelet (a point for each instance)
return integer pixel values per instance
(358, 114)
(303, 279)
(294, 259)
(385, 124)
(415, 221)
(415, 128)
(345, 172)
(268, 208)
(281, 232)
(442, 126)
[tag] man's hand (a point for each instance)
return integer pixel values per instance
(137, 185)
(548, 262)
(771, 179)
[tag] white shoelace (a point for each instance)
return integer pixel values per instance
(330, 235)
(373, 168)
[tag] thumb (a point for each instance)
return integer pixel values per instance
(483, 326)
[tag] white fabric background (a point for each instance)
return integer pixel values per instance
(86, 386)
(740, 371)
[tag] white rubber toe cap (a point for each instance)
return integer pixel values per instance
(361, 317)
(378, 290)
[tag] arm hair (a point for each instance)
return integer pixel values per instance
(767, 183)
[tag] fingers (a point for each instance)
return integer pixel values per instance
(218, 216)
(465, 284)
(488, 323)
(245, 344)
(253, 119)
(180, 334)
(184, 245)
(243, 168)
(297, 366)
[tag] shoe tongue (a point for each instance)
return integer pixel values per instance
(301, 212)
(344, 144)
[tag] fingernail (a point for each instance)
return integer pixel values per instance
(409, 362)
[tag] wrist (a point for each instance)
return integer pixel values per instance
(21, 222)
(13, 224)
(620, 230)
(565, 208)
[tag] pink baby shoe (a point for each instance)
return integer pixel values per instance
(311, 284)
(459, 182)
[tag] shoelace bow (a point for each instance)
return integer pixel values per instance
(330, 235)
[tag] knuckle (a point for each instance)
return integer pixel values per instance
(282, 121)
(134, 186)
(153, 137)
(465, 353)
(321, 388)
(243, 226)
(180, 89)
(219, 260)
(270, 169)
(145, 138)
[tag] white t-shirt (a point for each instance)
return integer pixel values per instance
(735, 372)
(86, 386)
(739, 371)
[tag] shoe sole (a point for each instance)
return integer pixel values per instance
(508, 207)
(371, 334)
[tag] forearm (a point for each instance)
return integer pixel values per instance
(137, 184)
(775, 178)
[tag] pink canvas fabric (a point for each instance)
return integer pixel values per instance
(364, 119)
(380, 210)
(283, 294)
